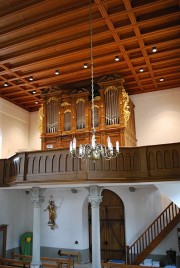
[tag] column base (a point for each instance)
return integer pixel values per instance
(35, 265)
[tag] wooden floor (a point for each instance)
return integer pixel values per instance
(87, 265)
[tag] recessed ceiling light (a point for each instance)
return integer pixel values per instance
(36, 102)
(117, 58)
(154, 49)
(85, 65)
(34, 92)
(161, 79)
(56, 72)
(6, 84)
(141, 70)
(31, 78)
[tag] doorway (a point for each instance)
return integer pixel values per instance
(3, 236)
(112, 227)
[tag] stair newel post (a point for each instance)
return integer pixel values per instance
(25, 166)
(127, 254)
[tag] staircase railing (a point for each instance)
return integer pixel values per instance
(154, 234)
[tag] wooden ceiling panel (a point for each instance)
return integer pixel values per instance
(39, 36)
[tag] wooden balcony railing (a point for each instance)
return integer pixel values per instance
(154, 234)
(135, 164)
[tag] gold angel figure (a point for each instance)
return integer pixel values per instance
(52, 213)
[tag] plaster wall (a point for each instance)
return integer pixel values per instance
(71, 220)
(16, 211)
(14, 125)
(141, 208)
(34, 134)
(157, 121)
(157, 117)
(172, 190)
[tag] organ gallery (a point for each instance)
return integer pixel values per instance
(66, 114)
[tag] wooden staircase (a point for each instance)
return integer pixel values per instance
(154, 234)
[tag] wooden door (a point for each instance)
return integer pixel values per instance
(112, 227)
(3, 235)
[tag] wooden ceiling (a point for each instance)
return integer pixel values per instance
(38, 37)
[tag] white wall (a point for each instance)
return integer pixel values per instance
(14, 125)
(141, 208)
(157, 121)
(71, 220)
(157, 117)
(34, 134)
(16, 212)
(0, 142)
(172, 190)
(169, 242)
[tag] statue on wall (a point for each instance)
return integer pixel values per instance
(52, 213)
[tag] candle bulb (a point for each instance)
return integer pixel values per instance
(70, 147)
(117, 146)
(109, 143)
(93, 141)
(74, 144)
(111, 149)
(80, 150)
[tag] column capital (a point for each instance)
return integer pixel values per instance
(95, 190)
(95, 197)
(37, 197)
(95, 201)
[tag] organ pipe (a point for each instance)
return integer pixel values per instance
(52, 116)
(73, 114)
(111, 106)
(80, 114)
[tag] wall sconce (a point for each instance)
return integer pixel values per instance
(132, 189)
(73, 190)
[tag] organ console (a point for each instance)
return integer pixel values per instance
(68, 114)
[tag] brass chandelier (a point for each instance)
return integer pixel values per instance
(94, 150)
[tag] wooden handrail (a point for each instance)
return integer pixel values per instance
(149, 238)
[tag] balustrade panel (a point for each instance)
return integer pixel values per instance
(130, 163)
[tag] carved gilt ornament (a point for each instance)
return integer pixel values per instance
(97, 98)
(125, 106)
(67, 111)
(52, 99)
(110, 88)
(80, 100)
(65, 103)
(40, 120)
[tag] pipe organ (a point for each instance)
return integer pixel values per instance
(68, 114)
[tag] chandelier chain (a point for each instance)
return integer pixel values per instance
(94, 150)
(92, 67)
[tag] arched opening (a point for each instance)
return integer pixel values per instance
(112, 227)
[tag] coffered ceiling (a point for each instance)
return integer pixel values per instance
(38, 37)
